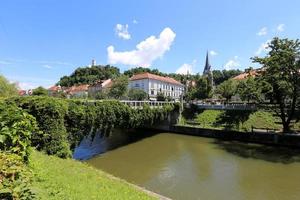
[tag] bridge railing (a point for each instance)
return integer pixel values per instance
(228, 106)
(142, 103)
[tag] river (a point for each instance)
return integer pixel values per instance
(188, 167)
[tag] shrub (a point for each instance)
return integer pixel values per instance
(15, 178)
(16, 128)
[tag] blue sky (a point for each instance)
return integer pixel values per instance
(40, 41)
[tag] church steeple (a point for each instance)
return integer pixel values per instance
(207, 68)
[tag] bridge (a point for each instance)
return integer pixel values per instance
(230, 106)
(140, 104)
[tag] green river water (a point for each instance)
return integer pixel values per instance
(188, 167)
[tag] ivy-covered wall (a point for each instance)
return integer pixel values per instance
(63, 123)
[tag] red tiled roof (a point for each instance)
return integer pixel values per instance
(22, 92)
(78, 88)
(245, 75)
(155, 77)
(54, 88)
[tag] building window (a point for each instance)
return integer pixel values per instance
(137, 85)
(152, 92)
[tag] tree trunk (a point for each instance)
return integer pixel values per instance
(286, 127)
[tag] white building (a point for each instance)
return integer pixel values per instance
(154, 84)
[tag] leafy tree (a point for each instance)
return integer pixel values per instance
(7, 89)
(137, 94)
(221, 76)
(249, 90)
(119, 88)
(281, 70)
(102, 94)
(160, 96)
(203, 88)
(227, 89)
(40, 91)
(88, 75)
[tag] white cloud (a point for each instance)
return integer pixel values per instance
(186, 68)
(262, 31)
(135, 21)
(26, 85)
(47, 66)
(146, 51)
(3, 62)
(122, 31)
(232, 63)
(280, 27)
(213, 53)
(262, 48)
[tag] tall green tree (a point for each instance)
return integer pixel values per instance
(119, 88)
(227, 89)
(281, 70)
(249, 90)
(203, 88)
(40, 91)
(88, 75)
(137, 94)
(7, 89)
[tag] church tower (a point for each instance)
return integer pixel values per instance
(207, 70)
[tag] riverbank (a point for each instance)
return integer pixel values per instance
(290, 140)
(56, 178)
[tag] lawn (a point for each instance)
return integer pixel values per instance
(56, 178)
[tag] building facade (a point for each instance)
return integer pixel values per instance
(99, 86)
(153, 85)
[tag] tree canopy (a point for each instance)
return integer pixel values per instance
(281, 71)
(7, 89)
(227, 89)
(88, 75)
(119, 88)
(137, 94)
(40, 91)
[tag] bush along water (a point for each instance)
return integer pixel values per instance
(16, 130)
(63, 123)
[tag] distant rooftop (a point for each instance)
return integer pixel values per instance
(147, 75)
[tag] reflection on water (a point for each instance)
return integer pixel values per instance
(187, 167)
(267, 153)
(99, 143)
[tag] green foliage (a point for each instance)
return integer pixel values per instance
(160, 96)
(50, 115)
(227, 89)
(249, 90)
(237, 120)
(88, 75)
(221, 76)
(7, 89)
(203, 88)
(281, 73)
(261, 119)
(15, 178)
(102, 94)
(64, 123)
(137, 94)
(40, 91)
(119, 88)
(16, 129)
(208, 118)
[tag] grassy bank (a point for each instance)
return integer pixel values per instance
(236, 120)
(56, 178)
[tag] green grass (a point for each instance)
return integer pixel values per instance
(237, 120)
(56, 178)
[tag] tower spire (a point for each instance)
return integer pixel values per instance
(207, 67)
